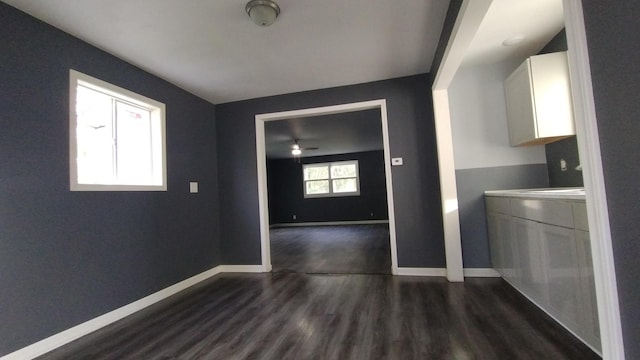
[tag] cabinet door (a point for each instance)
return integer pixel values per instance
(590, 330)
(531, 260)
(562, 274)
(502, 246)
(495, 241)
(538, 99)
(520, 106)
(509, 250)
(552, 94)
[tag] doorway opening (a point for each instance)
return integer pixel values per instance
(472, 14)
(263, 119)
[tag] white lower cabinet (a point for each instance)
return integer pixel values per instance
(505, 252)
(548, 263)
(533, 279)
(563, 274)
(590, 329)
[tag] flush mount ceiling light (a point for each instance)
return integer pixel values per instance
(513, 40)
(262, 12)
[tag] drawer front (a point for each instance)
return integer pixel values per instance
(554, 212)
(498, 204)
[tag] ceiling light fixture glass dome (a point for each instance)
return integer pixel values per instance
(262, 12)
(295, 149)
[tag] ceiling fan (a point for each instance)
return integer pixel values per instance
(296, 149)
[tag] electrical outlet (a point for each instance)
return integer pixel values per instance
(294, 217)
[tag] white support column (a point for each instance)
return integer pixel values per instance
(448, 190)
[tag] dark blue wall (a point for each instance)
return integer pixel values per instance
(416, 187)
(565, 149)
(67, 257)
(614, 54)
(286, 193)
(447, 29)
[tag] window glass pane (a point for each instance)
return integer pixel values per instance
(345, 185)
(94, 132)
(343, 171)
(316, 172)
(134, 152)
(317, 187)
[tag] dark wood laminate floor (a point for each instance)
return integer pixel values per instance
(301, 316)
(343, 249)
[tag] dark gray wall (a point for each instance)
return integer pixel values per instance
(566, 149)
(67, 257)
(447, 28)
(558, 43)
(471, 185)
(415, 185)
(286, 193)
(614, 54)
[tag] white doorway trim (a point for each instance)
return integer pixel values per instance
(471, 14)
(597, 210)
(469, 18)
(261, 157)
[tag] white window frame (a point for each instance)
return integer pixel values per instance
(331, 193)
(158, 128)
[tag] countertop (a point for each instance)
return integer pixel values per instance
(546, 193)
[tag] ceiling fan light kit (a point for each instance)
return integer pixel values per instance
(295, 149)
(262, 12)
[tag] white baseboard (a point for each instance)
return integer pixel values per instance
(442, 272)
(330, 223)
(62, 338)
(44, 346)
(241, 268)
(480, 272)
(410, 271)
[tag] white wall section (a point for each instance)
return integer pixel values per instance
(479, 120)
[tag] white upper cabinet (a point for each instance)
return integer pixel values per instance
(538, 97)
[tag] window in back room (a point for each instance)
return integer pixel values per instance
(331, 179)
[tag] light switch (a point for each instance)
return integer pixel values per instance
(193, 187)
(396, 161)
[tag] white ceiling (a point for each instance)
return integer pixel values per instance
(212, 49)
(537, 21)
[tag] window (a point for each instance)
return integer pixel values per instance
(117, 138)
(331, 179)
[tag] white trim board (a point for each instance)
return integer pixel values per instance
(62, 338)
(416, 271)
(597, 209)
(240, 268)
(467, 23)
(261, 161)
(330, 223)
(481, 272)
(442, 272)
